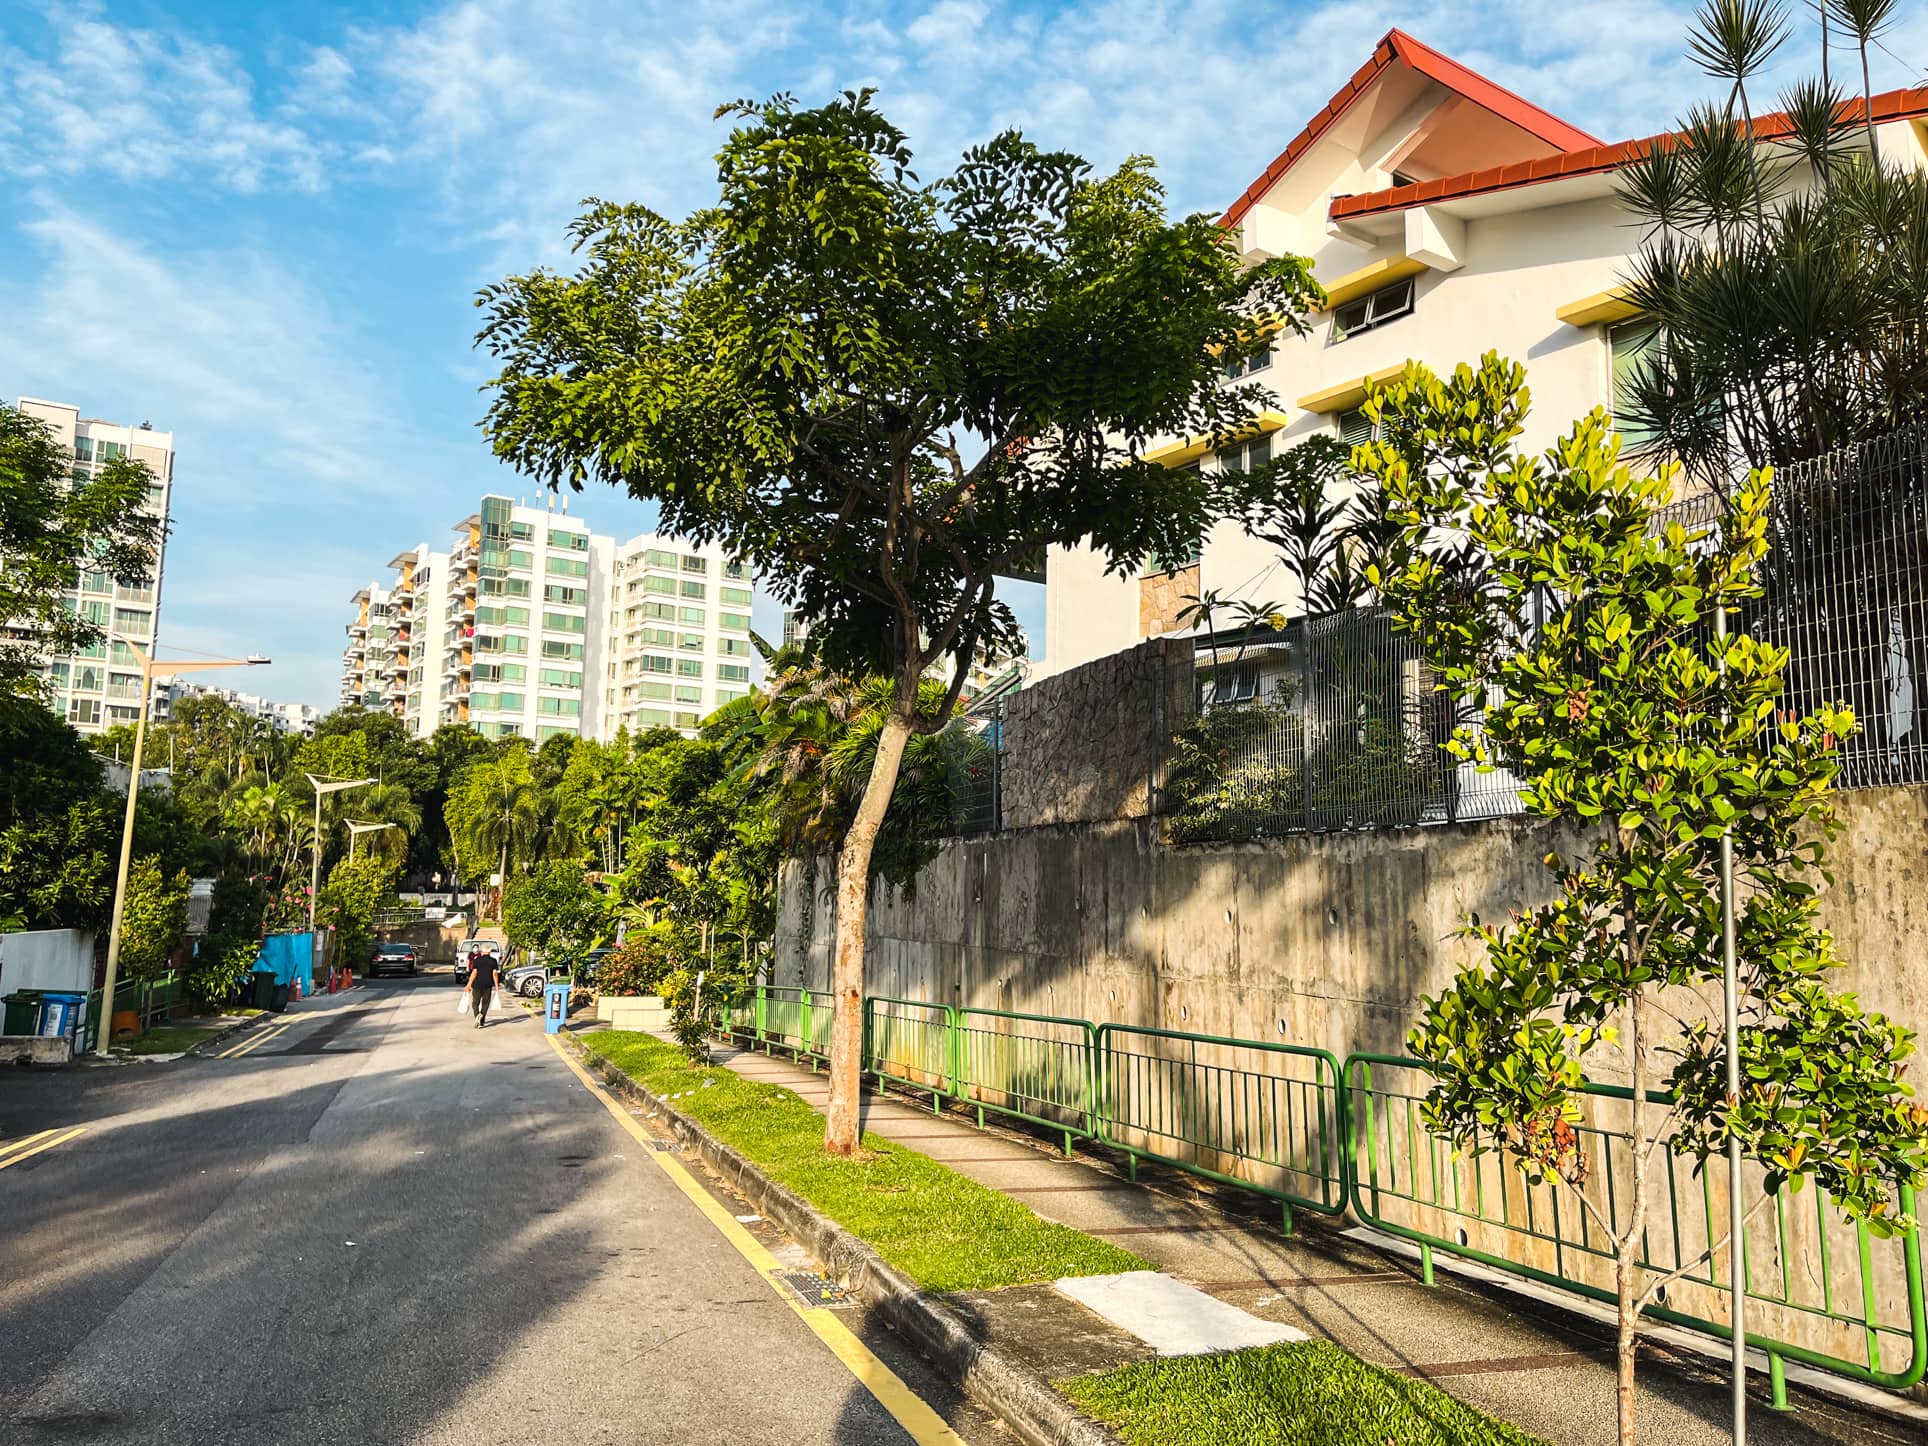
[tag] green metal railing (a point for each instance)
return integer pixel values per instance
(1810, 1270)
(1264, 1117)
(1039, 1068)
(798, 1020)
(909, 1042)
(1292, 1124)
(149, 998)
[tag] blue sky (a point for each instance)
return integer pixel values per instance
(261, 225)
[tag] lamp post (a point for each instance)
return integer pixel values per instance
(321, 786)
(356, 830)
(150, 670)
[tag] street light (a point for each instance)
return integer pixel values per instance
(322, 786)
(150, 670)
(356, 830)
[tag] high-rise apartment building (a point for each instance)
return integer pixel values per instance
(101, 686)
(679, 615)
(532, 624)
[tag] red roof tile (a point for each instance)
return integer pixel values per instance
(1398, 45)
(1593, 160)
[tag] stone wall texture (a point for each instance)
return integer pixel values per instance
(1088, 745)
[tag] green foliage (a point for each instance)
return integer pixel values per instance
(556, 912)
(53, 522)
(355, 890)
(222, 964)
(1621, 710)
(153, 917)
(680, 991)
(941, 1228)
(494, 815)
(1308, 1393)
(647, 956)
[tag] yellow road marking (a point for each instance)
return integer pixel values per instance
(911, 1410)
(271, 1033)
(23, 1142)
(59, 1138)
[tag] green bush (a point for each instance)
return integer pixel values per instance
(221, 968)
(646, 958)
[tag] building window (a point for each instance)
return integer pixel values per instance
(96, 582)
(1629, 345)
(739, 622)
(559, 707)
(1363, 313)
(654, 664)
(1246, 456)
(1243, 366)
(666, 612)
(733, 672)
(687, 694)
(83, 712)
(653, 717)
(658, 638)
(729, 695)
(572, 596)
(553, 649)
(738, 595)
(693, 588)
(734, 570)
(689, 720)
(574, 541)
(514, 672)
(653, 690)
(662, 585)
(696, 564)
(733, 647)
(567, 567)
(564, 622)
(546, 731)
(518, 557)
(692, 642)
(654, 558)
(689, 667)
(134, 623)
(560, 678)
(522, 531)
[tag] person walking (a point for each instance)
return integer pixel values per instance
(484, 972)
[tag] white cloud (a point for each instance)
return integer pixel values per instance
(142, 105)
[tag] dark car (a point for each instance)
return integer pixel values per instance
(393, 958)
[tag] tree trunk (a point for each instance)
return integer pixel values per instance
(842, 1131)
(1627, 1243)
(502, 879)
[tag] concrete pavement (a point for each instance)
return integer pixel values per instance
(381, 1224)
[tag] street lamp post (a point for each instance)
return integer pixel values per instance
(322, 786)
(150, 670)
(356, 830)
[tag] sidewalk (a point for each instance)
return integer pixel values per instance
(1547, 1370)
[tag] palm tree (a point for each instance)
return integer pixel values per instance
(497, 810)
(389, 803)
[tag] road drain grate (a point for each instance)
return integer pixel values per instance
(812, 1289)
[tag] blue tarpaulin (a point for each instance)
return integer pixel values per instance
(285, 956)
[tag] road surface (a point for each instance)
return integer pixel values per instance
(374, 1223)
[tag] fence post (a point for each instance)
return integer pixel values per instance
(1305, 723)
(997, 769)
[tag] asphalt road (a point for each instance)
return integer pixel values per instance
(383, 1225)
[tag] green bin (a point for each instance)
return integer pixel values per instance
(264, 990)
(22, 1012)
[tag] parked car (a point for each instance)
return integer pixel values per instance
(396, 958)
(528, 979)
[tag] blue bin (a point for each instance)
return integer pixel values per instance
(60, 1015)
(555, 1006)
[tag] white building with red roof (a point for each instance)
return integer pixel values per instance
(1445, 216)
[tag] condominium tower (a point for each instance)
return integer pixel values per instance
(100, 686)
(532, 624)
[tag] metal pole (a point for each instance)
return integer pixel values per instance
(102, 1039)
(1730, 1001)
(314, 886)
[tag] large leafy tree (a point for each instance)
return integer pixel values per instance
(495, 817)
(1624, 711)
(555, 911)
(800, 369)
(54, 524)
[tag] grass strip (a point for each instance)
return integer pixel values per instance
(943, 1229)
(1304, 1394)
(167, 1039)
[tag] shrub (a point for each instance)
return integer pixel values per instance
(221, 967)
(646, 958)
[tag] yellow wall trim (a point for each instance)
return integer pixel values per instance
(1602, 306)
(1355, 284)
(1344, 396)
(1178, 453)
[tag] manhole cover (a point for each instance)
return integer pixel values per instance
(812, 1289)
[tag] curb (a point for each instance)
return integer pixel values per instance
(1023, 1398)
(223, 1035)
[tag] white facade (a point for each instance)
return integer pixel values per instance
(1518, 246)
(101, 686)
(286, 717)
(678, 616)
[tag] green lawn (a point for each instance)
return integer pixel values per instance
(1306, 1394)
(941, 1228)
(167, 1039)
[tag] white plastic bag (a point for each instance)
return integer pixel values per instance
(501, 999)
(463, 1004)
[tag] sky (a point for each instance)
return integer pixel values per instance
(262, 226)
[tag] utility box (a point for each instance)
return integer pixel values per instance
(555, 1005)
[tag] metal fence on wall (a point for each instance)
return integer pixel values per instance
(972, 752)
(1335, 724)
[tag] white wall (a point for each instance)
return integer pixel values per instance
(56, 959)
